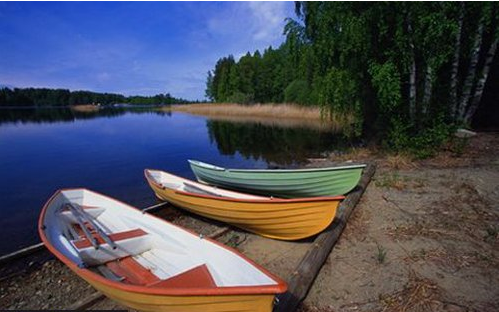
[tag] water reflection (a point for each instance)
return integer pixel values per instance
(107, 150)
(52, 115)
(275, 145)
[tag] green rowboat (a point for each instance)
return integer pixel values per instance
(283, 183)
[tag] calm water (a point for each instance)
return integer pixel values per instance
(47, 149)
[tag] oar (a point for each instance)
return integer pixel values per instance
(82, 225)
(90, 220)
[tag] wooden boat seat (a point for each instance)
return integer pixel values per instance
(132, 272)
(198, 277)
(115, 237)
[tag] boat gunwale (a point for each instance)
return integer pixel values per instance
(85, 273)
(266, 200)
(207, 166)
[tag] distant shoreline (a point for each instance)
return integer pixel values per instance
(85, 108)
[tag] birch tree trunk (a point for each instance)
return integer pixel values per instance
(428, 88)
(470, 77)
(412, 74)
(455, 64)
(481, 82)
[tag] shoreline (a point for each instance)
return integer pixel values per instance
(422, 236)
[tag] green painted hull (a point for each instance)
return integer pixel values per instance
(332, 181)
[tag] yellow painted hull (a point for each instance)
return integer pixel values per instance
(163, 303)
(279, 219)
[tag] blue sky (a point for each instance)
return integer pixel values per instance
(132, 48)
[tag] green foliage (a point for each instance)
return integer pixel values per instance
(62, 97)
(297, 92)
(421, 144)
(381, 254)
(378, 66)
(458, 145)
(337, 96)
(386, 82)
(240, 98)
(209, 87)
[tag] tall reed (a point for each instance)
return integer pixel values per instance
(285, 114)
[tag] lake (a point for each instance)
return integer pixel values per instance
(42, 150)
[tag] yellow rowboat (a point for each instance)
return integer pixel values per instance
(286, 219)
(148, 264)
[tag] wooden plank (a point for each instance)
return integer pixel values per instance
(86, 302)
(305, 273)
(154, 207)
(21, 253)
(219, 232)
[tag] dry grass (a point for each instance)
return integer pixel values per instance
(418, 229)
(85, 108)
(420, 294)
(355, 153)
(453, 260)
(256, 110)
(391, 180)
(400, 161)
(287, 115)
(481, 149)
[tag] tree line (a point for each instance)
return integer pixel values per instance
(406, 70)
(63, 97)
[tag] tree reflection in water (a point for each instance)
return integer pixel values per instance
(276, 145)
(52, 115)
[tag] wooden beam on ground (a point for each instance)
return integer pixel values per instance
(21, 253)
(219, 232)
(155, 207)
(89, 301)
(86, 302)
(305, 273)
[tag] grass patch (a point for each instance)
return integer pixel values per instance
(354, 153)
(381, 254)
(492, 233)
(457, 146)
(391, 180)
(400, 161)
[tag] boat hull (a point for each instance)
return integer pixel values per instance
(161, 303)
(145, 288)
(282, 183)
(273, 218)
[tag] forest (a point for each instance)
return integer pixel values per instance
(408, 72)
(29, 97)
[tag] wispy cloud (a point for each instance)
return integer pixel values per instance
(268, 18)
(131, 48)
(254, 23)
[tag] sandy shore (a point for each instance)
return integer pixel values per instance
(85, 108)
(424, 237)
